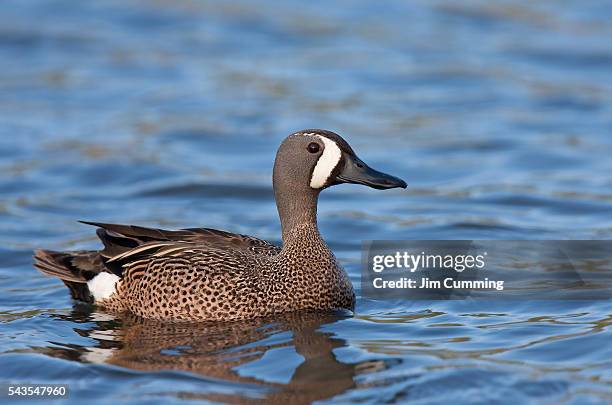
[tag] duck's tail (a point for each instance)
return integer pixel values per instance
(73, 268)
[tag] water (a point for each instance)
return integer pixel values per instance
(497, 114)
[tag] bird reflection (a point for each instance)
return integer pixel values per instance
(224, 351)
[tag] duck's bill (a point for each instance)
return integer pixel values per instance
(357, 172)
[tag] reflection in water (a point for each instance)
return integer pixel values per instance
(294, 358)
(224, 351)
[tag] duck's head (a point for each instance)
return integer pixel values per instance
(314, 159)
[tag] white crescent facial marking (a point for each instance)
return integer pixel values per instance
(327, 162)
(102, 286)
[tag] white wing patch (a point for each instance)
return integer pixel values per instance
(326, 164)
(102, 286)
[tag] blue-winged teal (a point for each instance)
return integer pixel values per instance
(207, 274)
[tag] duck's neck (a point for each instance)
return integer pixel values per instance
(298, 214)
(297, 209)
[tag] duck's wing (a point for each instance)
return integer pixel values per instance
(118, 239)
(124, 244)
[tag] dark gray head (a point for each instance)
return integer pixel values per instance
(317, 158)
(311, 160)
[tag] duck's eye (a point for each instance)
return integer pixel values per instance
(313, 147)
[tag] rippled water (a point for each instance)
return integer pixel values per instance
(498, 115)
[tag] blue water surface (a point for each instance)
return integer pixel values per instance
(168, 114)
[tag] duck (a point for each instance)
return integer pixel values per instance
(204, 274)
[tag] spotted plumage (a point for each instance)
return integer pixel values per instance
(207, 274)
